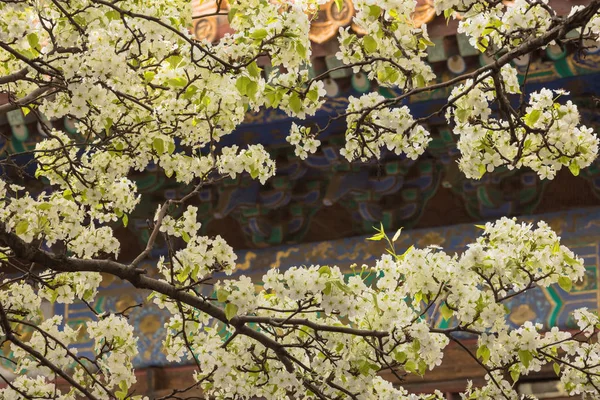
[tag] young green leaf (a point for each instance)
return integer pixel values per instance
(446, 312)
(230, 311)
(565, 283)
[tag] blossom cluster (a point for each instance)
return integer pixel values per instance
(66, 288)
(142, 93)
(467, 290)
(396, 48)
(55, 217)
(546, 138)
(201, 255)
(304, 143)
(371, 127)
(115, 347)
(255, 160)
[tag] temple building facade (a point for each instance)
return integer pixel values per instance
(320, 210)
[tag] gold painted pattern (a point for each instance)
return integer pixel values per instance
(329, 19)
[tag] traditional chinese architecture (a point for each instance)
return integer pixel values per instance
(320, 209)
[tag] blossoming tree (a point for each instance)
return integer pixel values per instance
(142, 91)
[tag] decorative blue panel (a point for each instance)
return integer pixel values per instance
(579, 229)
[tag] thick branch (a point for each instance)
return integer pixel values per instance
(23, 101)
(43, 360)
(136, 277)
(15, 76)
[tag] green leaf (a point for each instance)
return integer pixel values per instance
(159, 145)
(514, 374)
(327, 290)
(123, 392)
(556, 247)
(190, 92)
(44, 206)
(231, 14)
(569, 260)
(416, 345)
(295, 102)
(369, 44)
(349, 40)
(174, 61)
(410, 366)
(556, 367)
(125, 220)
(3, 256)
(177, 82)
(324, 270)
(426, 42)
(489, 29)
(409, 250)
(25, 111)
(253, 173)
(446, 311)
(461, 115)
(483, 352)
(313, 95)
(259, 34)
(388, 74)
(222, 295)
(480, 226)
(301, 49)
(171, 148)
(397, 235)
(273, 99)
(532, 117)
(253, 69)
(182, 275)
(574, 168)
(241, 84)
(68, 194)
(377, 236)
(252, 89)
(22, 227)
(230, 311)
(108, 124)
(422, 367)
(185, 237)
(482, 170)
(420, 81)
(448, 13)
(112, 15)
(565, 283)
(374, 11)
(149, 76)
(525, 356)
(400, 357)
(34, 41)
(363, 367)
(419, 296)
(482, 44)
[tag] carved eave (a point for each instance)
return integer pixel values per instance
(324, 27)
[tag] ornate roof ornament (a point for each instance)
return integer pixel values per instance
(324, 27)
